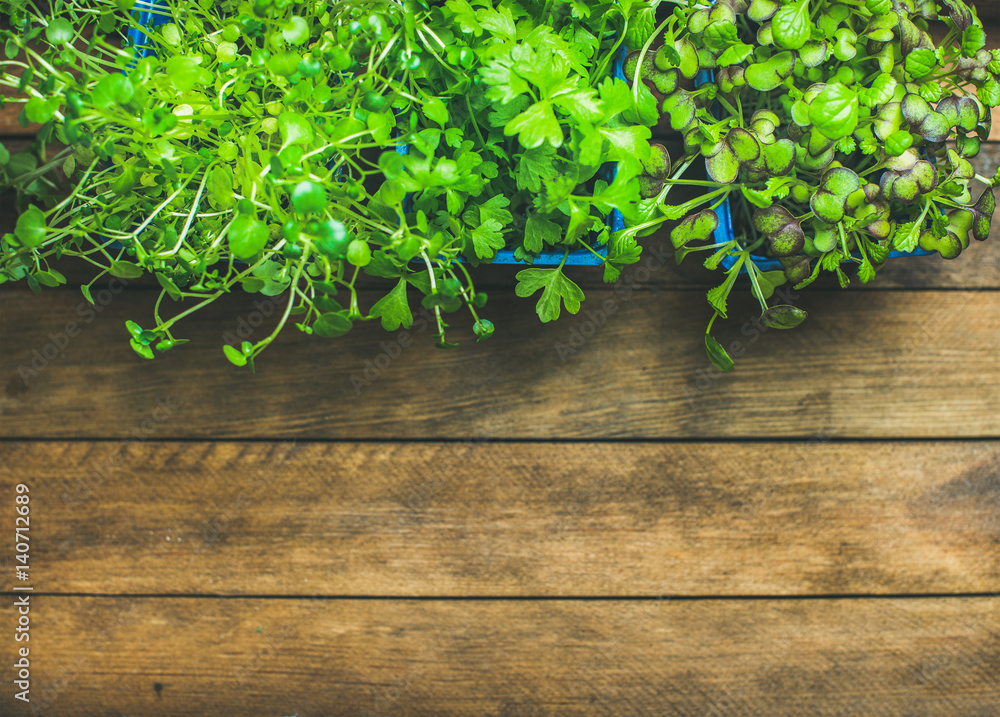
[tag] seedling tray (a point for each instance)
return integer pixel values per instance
(152, 13)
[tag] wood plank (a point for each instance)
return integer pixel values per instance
(874, 364)
(485, 519)
(93, 656)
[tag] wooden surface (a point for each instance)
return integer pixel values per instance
(371, 658)
(580, 518)
(513, 519)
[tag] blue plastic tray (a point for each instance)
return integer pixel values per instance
(152, 13)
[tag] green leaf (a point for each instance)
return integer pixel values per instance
(483, 329)
(834, 112)
(234, 355)
(296, 30)
(735, 54)
(220, 187)
(989, 93)
(294, 129)
(534, 166)
(309, 197)
(783, 317)
(359, 253)
(717, 297)
(31, 227)
(973, 40)
(487, 239)
(59, 30)
(112, 90)
(768, 75)
(536, 125)
(880, 92)
(503, 84)
(539, 232)
(125, 270)
(906, 237)
(247, 236)
(394, 308)
(717, 355)
(435, 109)
(41, 110)
(697, 227)
(184, 72)
(791, 26)
(556, 290)
(920, 62)
(167, 283)
(465, 16)
(332, 325)
(500, 22)
(495, 208)
(629, 146)
(140, 348)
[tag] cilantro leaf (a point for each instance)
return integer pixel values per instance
(465, 16)
(504, 113)
(505, 85)
(495, 208)
(534, 166)
(581, 104)
(545, 69)
(394, 308)
(622, 194)
(487, 239)
(500, 22)
(536, 125)
(616, 97)
(540, 231)
(630, 146)
(556, 290)
(906, 236)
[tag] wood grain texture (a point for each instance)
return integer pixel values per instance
(872, 364)
(178, 657)
(486, 519)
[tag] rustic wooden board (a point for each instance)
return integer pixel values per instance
(488, 519)
(93, 656)
(873, 364)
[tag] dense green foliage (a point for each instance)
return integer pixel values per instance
(839, 131)
(257, 148)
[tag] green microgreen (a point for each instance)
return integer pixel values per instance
(283, 147)
(827, 125)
